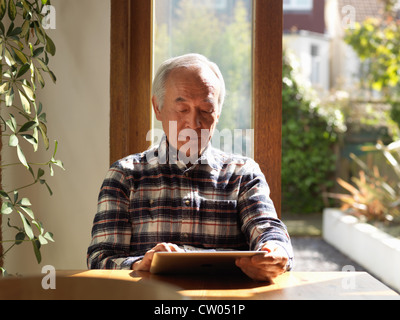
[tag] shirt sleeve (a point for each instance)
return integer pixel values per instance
(259, 221)
(111, 231)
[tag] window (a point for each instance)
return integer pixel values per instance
(224, 35)
(297, 5)
(131, 77)
(315, 64)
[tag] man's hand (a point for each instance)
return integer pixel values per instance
(145, 263)
(265, 267)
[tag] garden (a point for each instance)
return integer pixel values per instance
(343, 151)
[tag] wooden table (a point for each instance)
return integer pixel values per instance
(111, 284)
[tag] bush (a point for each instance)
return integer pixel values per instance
(308, 159)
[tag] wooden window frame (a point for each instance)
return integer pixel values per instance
(131, 78)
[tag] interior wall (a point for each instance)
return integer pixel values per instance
(77, 108)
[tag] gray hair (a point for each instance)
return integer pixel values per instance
(185, 61)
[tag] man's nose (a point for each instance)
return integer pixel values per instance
(193, 120)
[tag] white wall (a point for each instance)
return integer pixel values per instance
(77, 110)
(300, 44)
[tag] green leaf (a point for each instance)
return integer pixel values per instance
(43, 65)
(36, 249)
(3, 5)
(59, 163)
(43, 130)
(36, 137)
(48, 187)
(21, 157)
(10, 97)
(50, 47)
(30, 139)
(19, 238)
(42, 240)
(49, 236)
(9, 58)
(25, 28)
(11, 123)
(27, 226)
(12, 10)
(40, 173)
(4, 87)
(15, 32)
(28, 126)
(29, 92)
(40, 77)
(23, 70)
(52, 76)
(10, 28)
(25, 102)
(20, 55)
(13, 142)
(7, 208)
(28, 211)
(38, 225)
(25, 202)
(4, 194)
(37, 52)
(39, 32)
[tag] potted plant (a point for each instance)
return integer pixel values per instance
(25, 48)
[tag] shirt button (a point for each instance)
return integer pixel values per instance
(187, 202)
(186, 174)
(185, 237)
(151, 202)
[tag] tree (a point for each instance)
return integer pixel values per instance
(377, 42)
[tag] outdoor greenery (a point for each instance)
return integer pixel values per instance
(224, 38)
(377, 43)
(374, 194)
(308, 138)
(25, 48)
(374, 197)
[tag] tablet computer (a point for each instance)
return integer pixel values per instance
(198, 262)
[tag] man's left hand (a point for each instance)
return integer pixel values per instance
(265, 267)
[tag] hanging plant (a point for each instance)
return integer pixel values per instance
(25, 48)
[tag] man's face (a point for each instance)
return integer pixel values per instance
(190, 111)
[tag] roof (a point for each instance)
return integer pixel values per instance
(364, 8)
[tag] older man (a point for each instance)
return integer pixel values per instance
(185, 193)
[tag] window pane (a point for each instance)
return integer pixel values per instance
(222, 31)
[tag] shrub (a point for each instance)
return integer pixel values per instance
(308, 159)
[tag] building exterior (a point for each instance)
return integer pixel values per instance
(314, 31)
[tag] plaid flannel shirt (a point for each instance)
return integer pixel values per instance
(221, 202)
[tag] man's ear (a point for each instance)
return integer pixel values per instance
(156, 108)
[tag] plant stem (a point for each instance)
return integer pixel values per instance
(20, 188)
(19, 163)
(4, 253)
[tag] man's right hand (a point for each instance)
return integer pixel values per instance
(145, 263)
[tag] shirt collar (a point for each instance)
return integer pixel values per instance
(208, 155)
